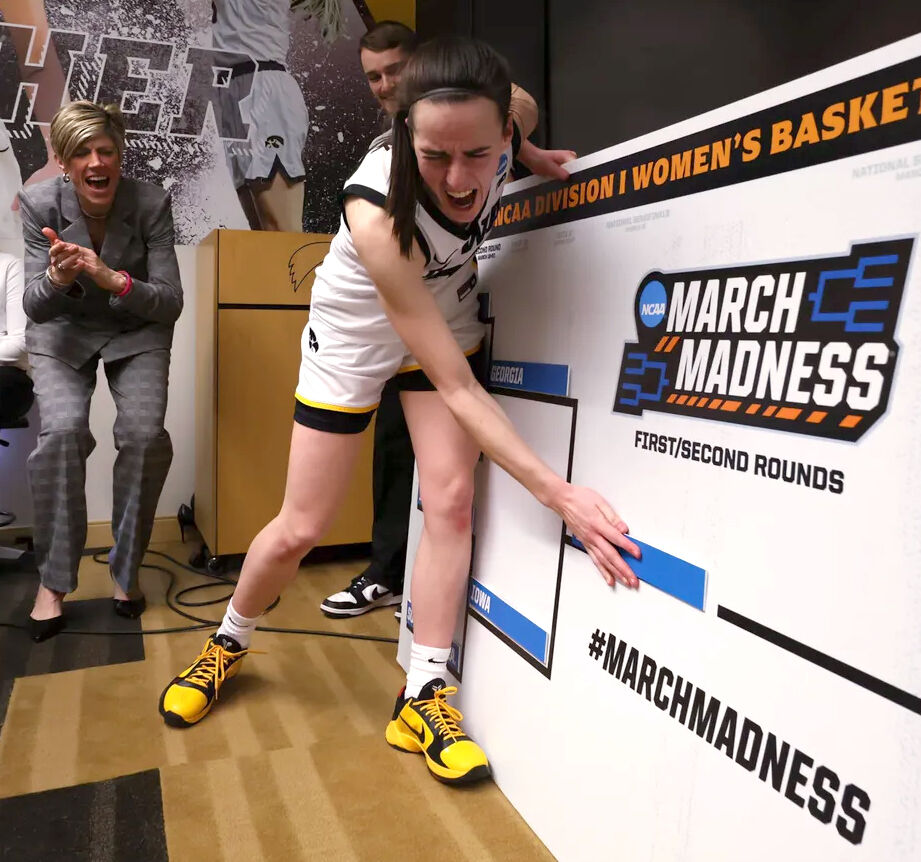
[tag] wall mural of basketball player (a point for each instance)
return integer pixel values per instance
(24, 150)
(188, 101)
(268, 167)
(10, 181)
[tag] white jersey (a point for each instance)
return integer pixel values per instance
(10, 184)
(344, 299)
(260, 28)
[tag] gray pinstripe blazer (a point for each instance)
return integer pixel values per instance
(77, 325)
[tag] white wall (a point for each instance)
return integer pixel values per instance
(180, 419)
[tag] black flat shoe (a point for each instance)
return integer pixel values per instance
(129, 608)
(41, 630)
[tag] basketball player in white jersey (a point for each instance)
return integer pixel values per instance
(383, 52)
(10, 184)
(268, 168)
(395, 296)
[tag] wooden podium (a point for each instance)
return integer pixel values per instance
(252, 304)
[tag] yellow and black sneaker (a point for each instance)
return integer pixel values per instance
(428, 725)
(190, 696)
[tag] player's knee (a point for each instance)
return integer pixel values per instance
(450, 503)
(293, 540)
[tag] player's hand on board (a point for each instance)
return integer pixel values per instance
(601, 530)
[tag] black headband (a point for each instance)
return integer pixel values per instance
(445, 91)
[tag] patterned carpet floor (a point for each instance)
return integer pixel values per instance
(291, 765)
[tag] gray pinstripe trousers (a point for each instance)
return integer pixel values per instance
(57, 467)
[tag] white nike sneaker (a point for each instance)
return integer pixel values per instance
(359, 597)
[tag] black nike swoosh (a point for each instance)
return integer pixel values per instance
(421, 736)
(444, 262)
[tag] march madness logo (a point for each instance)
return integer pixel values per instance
(805, 346)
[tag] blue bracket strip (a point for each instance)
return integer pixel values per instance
(544, 377)
(665, 572)
(513, 624)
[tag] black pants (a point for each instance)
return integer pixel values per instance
(15, 393)
(393, 475)
(392, 488)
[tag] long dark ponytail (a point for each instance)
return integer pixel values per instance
(448, 69)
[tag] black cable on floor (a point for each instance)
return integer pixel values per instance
(101, 556)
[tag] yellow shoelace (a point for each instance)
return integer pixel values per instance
(445, 717)
(212, 664)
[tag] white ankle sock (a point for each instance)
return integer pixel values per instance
(425, 663)
(238, 627)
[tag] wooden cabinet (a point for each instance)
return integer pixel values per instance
(252, 304)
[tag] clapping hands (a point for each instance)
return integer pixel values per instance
(67, 261)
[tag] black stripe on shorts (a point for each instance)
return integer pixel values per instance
(328, 419)
(417, 380)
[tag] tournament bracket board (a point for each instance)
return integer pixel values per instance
(737, 298)
(514, 580)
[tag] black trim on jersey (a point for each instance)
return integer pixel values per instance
(366, 193)
(423, 245)
(443, 221)
(375, 197)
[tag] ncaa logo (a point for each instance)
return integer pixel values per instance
(653, 303)
(503, 163)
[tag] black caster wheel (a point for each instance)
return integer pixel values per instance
(215, 565)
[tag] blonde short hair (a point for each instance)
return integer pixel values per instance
(76, 123)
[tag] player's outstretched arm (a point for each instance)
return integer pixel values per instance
(416, 318)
